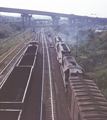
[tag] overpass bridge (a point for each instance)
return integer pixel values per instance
(33, 12)
(73, 19)
(28, 13)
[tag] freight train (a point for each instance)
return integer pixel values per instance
(15, 87)
(85, 101)
(68, 64)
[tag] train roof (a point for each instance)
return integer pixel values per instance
(33, 42)
(70, 63)
(58, 39)
(91, 103)
(63, 47)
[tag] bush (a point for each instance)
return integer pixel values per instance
(16, 27)
(4, 34)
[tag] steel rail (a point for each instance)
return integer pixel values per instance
(42, 79)
(50, 77)
(15, 47)
(10, 38)
(52, 31)
(4, 79)
(8, 50)
(12, 59)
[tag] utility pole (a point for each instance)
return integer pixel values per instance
(76, 46)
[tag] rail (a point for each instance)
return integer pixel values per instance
(46, 72)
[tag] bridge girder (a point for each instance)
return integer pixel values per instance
(55, 16)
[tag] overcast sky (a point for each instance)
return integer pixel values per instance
(95, 8)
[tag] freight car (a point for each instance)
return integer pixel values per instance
(13, 91)
(85, 101)
(9, 114)
(70, 68)
(33, 43)
(68, 64)
(62, 50)
(58, 39)
(29, 56)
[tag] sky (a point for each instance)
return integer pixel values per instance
(93, 8)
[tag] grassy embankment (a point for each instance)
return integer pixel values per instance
(7, 31)
(92, 56)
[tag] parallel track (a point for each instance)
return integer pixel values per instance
(4, 41)
(42, 97)
(6, 61)
(47, 109)
(10, 58)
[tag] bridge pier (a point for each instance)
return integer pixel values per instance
(73, 20)
(79, 20)
(29, 20)
(55, 20)
(25, 20)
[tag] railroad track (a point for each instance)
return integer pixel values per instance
(7, 70)
(8, 60)
(13, 92)
(44, 88)
(47, 103)
(41, 105)
(4, 41)
(41, 101)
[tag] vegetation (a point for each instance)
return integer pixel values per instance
(5, 47)
(90, 50)
(92, 56)
(16, 27)
(9, 29)
(5, 31)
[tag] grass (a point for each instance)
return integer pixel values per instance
(12, 42)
